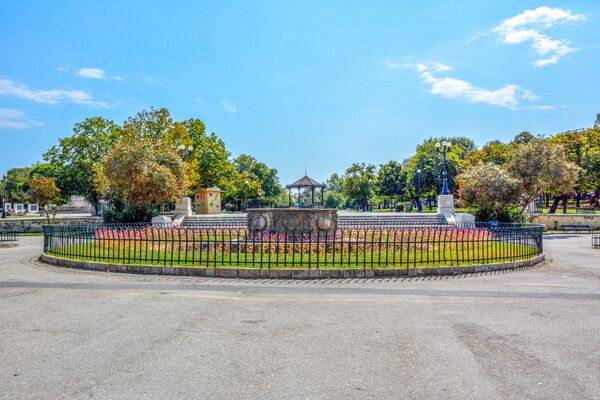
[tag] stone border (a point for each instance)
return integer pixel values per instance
(9, 245)
(280, 273)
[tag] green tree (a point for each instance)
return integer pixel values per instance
(494, 152)
(583, 149)
(359, 183)
(523, 138)
(391, 181)
(209, 163)
(245, 187)
(154, 126)
(541, 167)
(142, 173)
(429, 160)
(490, 190)
(46, 194)
(334, 192)
(270, 187)
(16, 185)
(75, 161)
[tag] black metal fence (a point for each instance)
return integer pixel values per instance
(375, 247)
(8, 237)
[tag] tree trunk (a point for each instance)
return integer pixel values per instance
(564, 200)
(554, 205)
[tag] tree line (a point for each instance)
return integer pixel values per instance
(151, 158)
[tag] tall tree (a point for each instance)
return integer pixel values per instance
(142, 173)
(541, 167)
(490, 189)
(269, 181)
(523, 137)
(76, 158)
(16, 185)
(209, 163)
(391, 181)
(46, 194)
(359, 183)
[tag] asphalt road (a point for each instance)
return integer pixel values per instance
(531, 334)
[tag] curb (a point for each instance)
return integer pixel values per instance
(280, 273)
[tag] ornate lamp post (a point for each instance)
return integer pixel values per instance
(419, 208)
(4, 197)
(444, 147)
(246, 188)
(185, 152)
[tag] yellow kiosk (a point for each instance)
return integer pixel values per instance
(208, 201)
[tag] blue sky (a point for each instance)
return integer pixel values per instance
(300, 83)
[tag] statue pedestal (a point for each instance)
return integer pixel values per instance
(445, 204)
(183, 206)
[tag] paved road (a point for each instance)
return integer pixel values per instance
(531, 334)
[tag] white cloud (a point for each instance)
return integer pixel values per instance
(62, 68)
(545, 107)
(228, 106)
(50, 96)
(439, 67)
(506, 96)
(144, 78)
(529, 96)
(526, 27)
(94, 73)
(15, 119)
(434, 66)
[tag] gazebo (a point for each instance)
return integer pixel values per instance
(305, 183)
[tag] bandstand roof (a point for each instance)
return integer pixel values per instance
(305, 182)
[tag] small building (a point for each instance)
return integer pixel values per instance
(208, 201)
(19, 208)
(33, 209)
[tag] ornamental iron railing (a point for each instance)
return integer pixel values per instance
(8, 237)
(411, 245)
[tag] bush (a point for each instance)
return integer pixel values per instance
(499, 214)
(120, 212)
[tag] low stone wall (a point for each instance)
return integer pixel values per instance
(555, 221)
(281, 273)
(34, 224)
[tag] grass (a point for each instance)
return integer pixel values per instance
(490, 252)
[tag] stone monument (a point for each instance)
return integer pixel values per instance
(293, 219)
(445, 204)
(183, 206)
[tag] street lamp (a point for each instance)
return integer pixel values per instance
(419, 208)
(246, 196)
(185, 152)
(4, 197)
(444, 147)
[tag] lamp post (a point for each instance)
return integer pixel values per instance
(185, 152)
(444, 147)
(4, 197)
(419, 209)
(245, 208)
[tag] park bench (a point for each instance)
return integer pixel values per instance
(576, 228)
